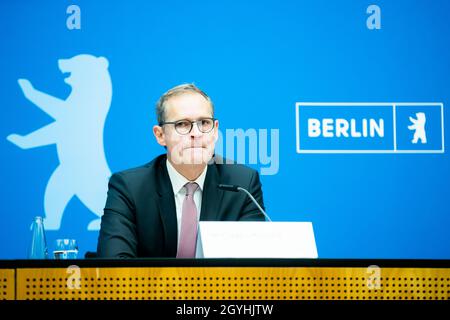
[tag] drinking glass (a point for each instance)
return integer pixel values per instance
(65, 249)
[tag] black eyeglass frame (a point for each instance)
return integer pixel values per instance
(192, 124)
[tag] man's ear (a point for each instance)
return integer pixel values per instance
(159, 135)
(216, 130)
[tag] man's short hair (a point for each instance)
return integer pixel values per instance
(176, 91)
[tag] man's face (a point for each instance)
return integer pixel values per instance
(195, 147)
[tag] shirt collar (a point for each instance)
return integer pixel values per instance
(178, 180)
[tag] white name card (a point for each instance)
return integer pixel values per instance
(251, 239)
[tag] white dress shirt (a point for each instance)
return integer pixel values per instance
(178, 181)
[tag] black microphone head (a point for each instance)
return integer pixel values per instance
(228, 187)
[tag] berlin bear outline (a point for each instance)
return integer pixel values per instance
(78, 134)
(419, 127)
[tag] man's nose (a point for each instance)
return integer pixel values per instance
(195, 132)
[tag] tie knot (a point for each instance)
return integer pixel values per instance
(190, 188)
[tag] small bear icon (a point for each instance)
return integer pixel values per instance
(419, 127)
(78, 134)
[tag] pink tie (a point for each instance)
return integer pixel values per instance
(188, 234)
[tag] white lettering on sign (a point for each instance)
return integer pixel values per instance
(330, 128)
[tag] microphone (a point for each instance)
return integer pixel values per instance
(234, 188)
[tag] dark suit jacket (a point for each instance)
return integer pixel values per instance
(140, 218)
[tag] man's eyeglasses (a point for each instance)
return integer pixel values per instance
(204, 125)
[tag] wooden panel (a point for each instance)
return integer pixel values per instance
(7, 284)
(224, 283)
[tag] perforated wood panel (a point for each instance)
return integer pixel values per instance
(219, 283)
(7, 284)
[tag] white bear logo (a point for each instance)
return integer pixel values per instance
(78, 134)
(419, 126)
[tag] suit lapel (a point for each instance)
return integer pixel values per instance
(167, 209)
(212, 195)
(211, 201)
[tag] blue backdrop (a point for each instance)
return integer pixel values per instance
(256, 59)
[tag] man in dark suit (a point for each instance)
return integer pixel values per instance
(153, 210)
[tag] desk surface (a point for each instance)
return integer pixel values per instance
(172, 262)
